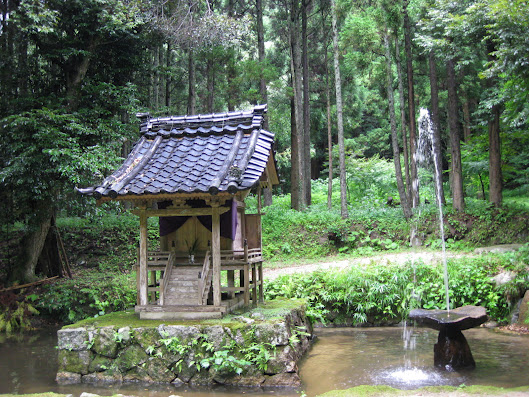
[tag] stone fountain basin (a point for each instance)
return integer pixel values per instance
(464, 317)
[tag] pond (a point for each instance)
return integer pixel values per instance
(340, 358)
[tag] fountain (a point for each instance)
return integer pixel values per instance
(451, 351)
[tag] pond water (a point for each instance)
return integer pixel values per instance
(340, 358)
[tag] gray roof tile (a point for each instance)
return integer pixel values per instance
(183, 154)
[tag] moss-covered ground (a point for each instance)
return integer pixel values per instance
(271, 310)
(367, 391)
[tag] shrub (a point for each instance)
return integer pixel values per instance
(381, 294)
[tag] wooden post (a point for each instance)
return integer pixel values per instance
(215, 252)
(246, 292)
(254, 282)
(246, 275)
(261, 283)
(143, 259)
(231, 282)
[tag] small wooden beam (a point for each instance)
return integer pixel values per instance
(181, 212)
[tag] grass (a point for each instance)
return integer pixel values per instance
(268, 311)
(365, 391)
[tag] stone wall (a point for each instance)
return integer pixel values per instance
(247, 350)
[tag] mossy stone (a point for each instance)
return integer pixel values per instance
(284, 360)
(105, 342)
(276, 334)
(130, 357)
(187, 371)
(72, 339)
(146, 337)
(217, 336)
(137, 374)
(203, 378)
(100, 363)
(158, 371)
(76, 361)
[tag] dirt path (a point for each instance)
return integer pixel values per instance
(386, 258)
(401, 257)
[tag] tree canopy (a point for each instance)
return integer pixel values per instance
(74, 73)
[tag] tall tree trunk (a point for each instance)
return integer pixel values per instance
(31, 246)
(168, 80)
(339, 113)
(455, 138)
(495, 174)
(434, 93)
(394, 139)
(466, 117)
(192, 95)
(411, 109)
(295, 180)
(297, 131)
(329, 131)
(156, 87)
(404, 131)
(210, 77)
(306, 105)
(76, 73)
(267, 192)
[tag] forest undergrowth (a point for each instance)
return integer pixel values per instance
(102, 249)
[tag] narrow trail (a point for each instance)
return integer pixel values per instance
(426, 256)
(399, 258)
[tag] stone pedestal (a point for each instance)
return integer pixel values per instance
(452, 351)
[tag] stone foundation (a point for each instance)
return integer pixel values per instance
(249, 350)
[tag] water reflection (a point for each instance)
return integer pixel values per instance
(383, 356)
(341, 358)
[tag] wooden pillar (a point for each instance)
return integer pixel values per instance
(261, 283)
(254, 279)
(215, 252)
(231, 282)
(246, 292)
(143, 284)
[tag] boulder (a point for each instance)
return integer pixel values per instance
(523, 317)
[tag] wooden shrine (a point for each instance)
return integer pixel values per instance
(194, 173)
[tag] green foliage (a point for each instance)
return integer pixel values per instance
(88, 296)
(15, 312)
(385, 294)
(231, 358)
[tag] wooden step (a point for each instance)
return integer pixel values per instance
(182, 301)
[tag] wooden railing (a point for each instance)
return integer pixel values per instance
(164, 282)
(204, 277)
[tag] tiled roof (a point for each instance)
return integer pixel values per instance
(193, 154)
